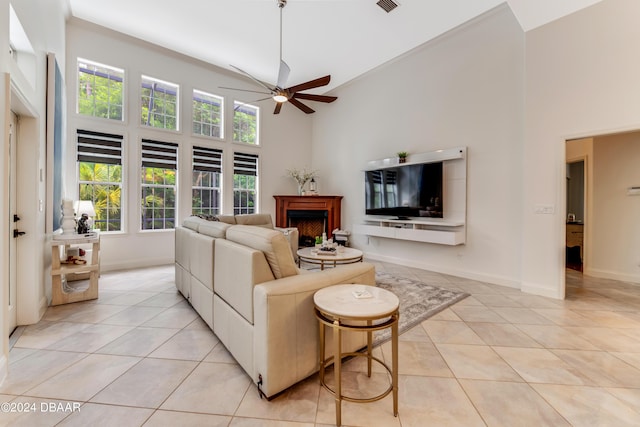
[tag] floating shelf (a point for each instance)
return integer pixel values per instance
(444, 232)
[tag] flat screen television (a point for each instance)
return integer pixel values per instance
(405, 191)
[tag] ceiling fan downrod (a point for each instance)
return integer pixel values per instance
(281, 5)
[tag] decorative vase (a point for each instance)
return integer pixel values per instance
(301, 189)
(402, 159)
(68, 222)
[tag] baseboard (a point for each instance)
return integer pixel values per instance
(535, 289)
(613, 275)
(481, 277)
(137, 263)
(42, 307)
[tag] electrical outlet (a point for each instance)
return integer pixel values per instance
(544, 209)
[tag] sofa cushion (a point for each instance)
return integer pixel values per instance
(214, 229)
(193, 223)
(227, 219)
(260, 220)
(272, 243)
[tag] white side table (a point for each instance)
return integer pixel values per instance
(59, 247)
(341, 256)
(357, 308)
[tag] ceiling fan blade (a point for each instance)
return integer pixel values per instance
(264, 85)
(312, 97)
(278, 107)
(322, 81)
(249, 103)
(301, 106)
(244, 90)
(283, 74)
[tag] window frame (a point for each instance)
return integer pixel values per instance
(222, 115)
(241, 163)
(103, 146)
(123, 109)
(237, 106)
(207, 160)
(141, 87)
(158, 156)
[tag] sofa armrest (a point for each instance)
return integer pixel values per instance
(286, 329)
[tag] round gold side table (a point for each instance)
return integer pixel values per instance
(357, 308)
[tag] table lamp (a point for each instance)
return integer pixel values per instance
(85, 207)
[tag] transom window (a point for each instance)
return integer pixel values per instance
(245, 123)
(245, 183)
(100, 176)
(206, 184)
(207, 114)
(159, 100)
(159, 170)
(100, 90)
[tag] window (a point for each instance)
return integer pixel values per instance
(159, 102)
(100, 176)
(207, 176)
(159, 167)
(100, 90)
(207, 114)
(245, 123)
(245, 189)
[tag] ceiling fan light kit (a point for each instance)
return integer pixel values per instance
(281, 94)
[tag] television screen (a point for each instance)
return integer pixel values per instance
(412, 190)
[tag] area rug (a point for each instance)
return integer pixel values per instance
(418, 301)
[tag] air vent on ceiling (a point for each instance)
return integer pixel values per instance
(387, 5)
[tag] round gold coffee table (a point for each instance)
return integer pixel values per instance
(341, 256)
(357, 308)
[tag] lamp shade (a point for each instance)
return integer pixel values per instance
(85, 207)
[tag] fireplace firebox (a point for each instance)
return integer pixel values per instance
(311, 215)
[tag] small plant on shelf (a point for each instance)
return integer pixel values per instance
(402, 156)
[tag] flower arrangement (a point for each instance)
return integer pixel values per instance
(301, 176)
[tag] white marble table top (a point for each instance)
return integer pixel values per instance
(341, 254)
(356, 301)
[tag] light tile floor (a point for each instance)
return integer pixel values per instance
(139, 355)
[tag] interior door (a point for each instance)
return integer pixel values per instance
(13, 224)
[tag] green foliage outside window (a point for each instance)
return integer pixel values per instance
(244, 193)
(158, 198)
(245, 123)
(207, 114)
(159, 101)
(102, 184)
(100, 90)
(205, 193)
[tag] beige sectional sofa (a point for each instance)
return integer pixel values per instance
(244, 283)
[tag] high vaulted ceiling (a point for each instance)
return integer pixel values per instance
(344, 38)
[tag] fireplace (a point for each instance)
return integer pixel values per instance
(311, 215)
(310, 223)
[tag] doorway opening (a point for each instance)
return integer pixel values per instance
(602, 238)
(575, 215)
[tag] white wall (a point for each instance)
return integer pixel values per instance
(44, 24)
(616, 237)
(581, 80)
(285, 138)
(463, 89)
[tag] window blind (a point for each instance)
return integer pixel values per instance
(158, 154)
(207, 159)
(99, 147)
(245, 164)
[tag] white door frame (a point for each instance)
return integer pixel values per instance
(12, 312)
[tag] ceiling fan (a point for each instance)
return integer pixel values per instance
(281, 94)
